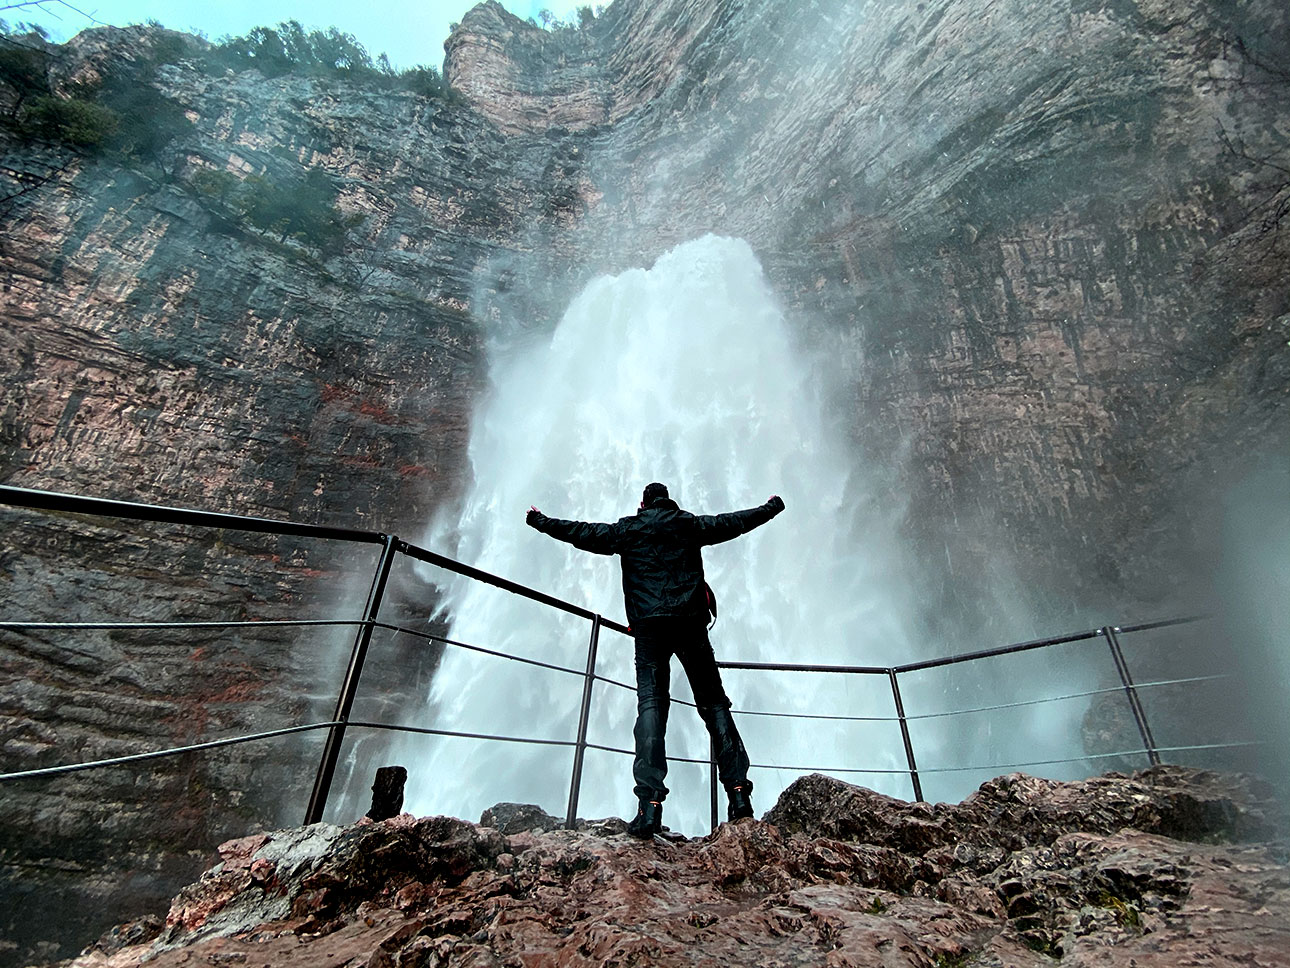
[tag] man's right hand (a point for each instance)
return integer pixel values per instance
(531, 518)
(776, 503)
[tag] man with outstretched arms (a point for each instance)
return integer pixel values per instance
(667, 605)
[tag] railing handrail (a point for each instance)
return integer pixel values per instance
(1042, 643)
(38, 500)
(393, 546)
(506, 584)
(56, 501)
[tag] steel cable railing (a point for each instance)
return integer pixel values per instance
(430, 637)
(152, 626)
(161, 754)
(845, 719)
(392, 547)
(1071, 695)
(428, 731)
(1090, 756)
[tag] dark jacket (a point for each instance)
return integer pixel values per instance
(659, 546)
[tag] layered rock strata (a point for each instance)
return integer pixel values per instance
(1041, 245)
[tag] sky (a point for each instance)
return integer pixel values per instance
(410, 31)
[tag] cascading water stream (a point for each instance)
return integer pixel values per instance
(687, 374)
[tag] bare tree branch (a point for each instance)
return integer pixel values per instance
(1237, 148)
(44, 5)
(1275, 71)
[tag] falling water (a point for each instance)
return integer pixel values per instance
(685, 373)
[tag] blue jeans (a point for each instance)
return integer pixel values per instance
(657, 640)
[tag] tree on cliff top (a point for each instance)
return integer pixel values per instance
(35, 111)
(24, 70)
(291, 49)
(122, 112)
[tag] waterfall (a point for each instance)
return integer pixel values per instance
(685, 373)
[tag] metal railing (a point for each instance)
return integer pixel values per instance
(391, 547)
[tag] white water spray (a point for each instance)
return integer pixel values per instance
(685, 374)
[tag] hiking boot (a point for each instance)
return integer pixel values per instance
(649, 820)
(740, 804)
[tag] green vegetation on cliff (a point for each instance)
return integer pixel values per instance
(304, 211)
(291, 49)
(119, 111)
(123, 112)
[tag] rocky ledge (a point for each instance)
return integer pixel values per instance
(1171, 866)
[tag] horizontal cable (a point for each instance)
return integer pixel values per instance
(623, 685)
(951, 769)
(1022, 702)
(1001, 766)
(1012, 766)
(614, 682)
(250, 623)
(447, 732)
(849, 719)
(1090, 756)
(670, 759)
(886, 772)
(613, 749)
(799, 667)
(824, 769)
(759, 766)
(404, 630)
(1210, 746)
(1074, 695)
(158, 754)
(1175, 682)
(516, 658)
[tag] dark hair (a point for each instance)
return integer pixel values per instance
(653, 492)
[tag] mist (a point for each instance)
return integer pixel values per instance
(1252, 579)
(685, 373)
(689, 373)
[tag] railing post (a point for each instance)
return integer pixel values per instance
(904, 734)
(579, 751)
(349, 687)
(712, 778)
(1135, 704)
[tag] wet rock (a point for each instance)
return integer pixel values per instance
(511, 818)
(437, 891)
(1060, 372)
(1017, 811)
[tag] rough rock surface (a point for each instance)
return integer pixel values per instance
(1042, 243)
(1169, 867)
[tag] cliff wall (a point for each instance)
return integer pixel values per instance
(1043, 245)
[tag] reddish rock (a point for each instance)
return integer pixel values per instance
(1051, 283)
(1087, 877)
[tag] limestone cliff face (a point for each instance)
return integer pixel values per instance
(1044, 244)
(1028, 227)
